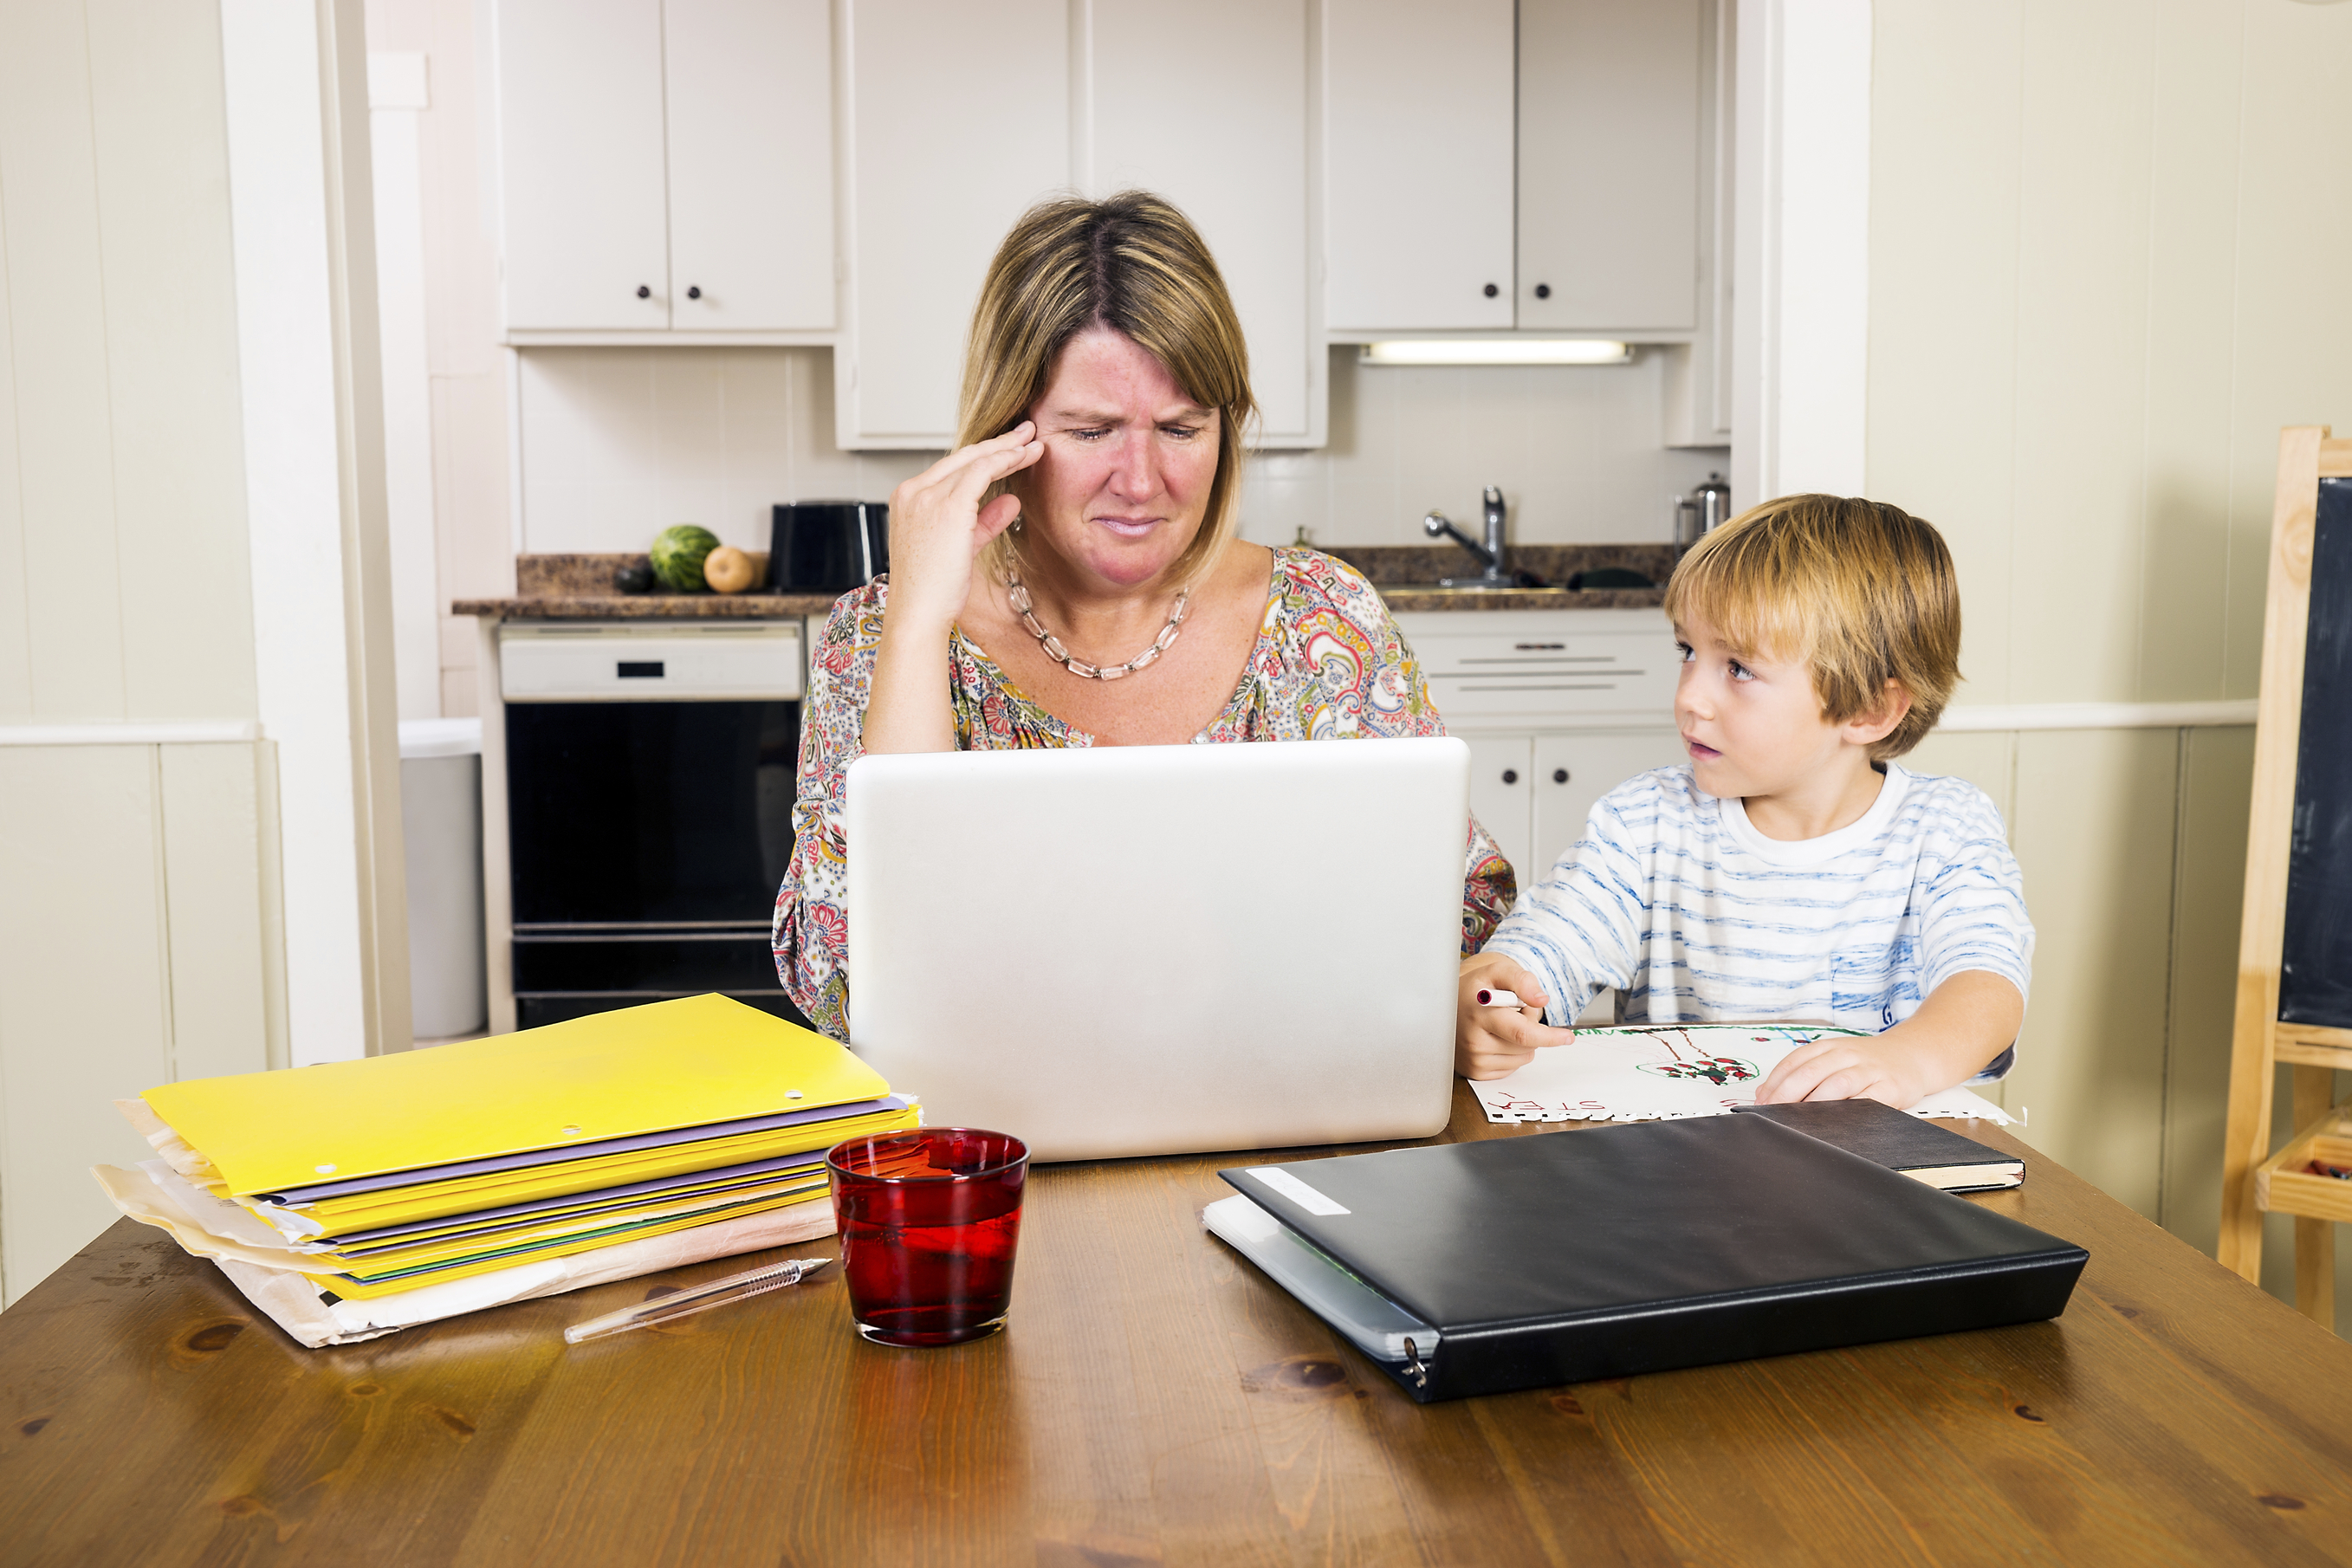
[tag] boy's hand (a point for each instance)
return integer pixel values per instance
(1960, 1027)
(1491, 1042)
(1867, 1068)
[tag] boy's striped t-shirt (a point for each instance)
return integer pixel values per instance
(1676, 900)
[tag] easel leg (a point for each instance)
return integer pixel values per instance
(2246, 1140)
(2314, 1239)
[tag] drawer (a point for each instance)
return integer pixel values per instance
(603, 662)
(1481, 672)
(675, 964)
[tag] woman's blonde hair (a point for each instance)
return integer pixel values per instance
(1134, 264)
(1862, 592)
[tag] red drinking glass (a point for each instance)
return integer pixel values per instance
(929, 1221)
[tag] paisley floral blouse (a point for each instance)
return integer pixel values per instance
(1329, 663)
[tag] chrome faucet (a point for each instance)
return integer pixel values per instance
(1490, 554)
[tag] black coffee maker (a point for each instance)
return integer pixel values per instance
(828, 546)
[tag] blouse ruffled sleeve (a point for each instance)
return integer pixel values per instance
(811, 935)
(1372, 685)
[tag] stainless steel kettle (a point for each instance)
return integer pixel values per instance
(1701, 511)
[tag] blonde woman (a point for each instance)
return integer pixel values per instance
(1070, 575)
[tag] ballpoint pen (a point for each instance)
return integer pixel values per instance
(684, 1303)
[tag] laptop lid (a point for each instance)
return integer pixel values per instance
(1149, 950)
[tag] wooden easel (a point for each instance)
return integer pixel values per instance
(2252, 1179)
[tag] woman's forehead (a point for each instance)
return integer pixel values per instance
(1103, 373)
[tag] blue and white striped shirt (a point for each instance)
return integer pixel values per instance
(1674, 898)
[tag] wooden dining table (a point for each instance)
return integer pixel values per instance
(1154, 1399)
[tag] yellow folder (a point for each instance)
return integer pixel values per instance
(665, 1064)
(352, 1286)
(433, 1199)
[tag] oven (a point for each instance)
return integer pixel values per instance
(648, 774)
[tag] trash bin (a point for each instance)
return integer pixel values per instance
(441, 820)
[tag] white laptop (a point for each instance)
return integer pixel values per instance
(1155, 950)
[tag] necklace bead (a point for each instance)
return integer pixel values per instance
(1017, 595)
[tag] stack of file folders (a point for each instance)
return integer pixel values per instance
(399, 1188)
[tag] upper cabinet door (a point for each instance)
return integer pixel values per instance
(1207, 106)
(580, 135)
(1608, 163)
(1418, 129)
(751, 165)
(959, 120)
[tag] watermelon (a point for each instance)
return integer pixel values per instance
(677, 556)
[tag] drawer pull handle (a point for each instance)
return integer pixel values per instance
(639, 669)
(1559, 776)
(1539, 647)
(1510, 775)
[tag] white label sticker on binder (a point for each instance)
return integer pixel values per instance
(1296, 1191)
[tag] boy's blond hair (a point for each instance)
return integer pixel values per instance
(1862, 592)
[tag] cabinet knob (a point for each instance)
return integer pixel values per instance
(1559, 776)
(1492, 291)
(1510, 775)
(643, 292)
(1543, 291)
(694, 293)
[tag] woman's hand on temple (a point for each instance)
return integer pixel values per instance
(938, 524)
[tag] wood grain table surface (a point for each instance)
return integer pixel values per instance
(1155, 1400)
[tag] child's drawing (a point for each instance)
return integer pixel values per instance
(1686, 1061)
(1637, 1074)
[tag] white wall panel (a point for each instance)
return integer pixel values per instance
(221, 909)
(80, 853)
(64, 450)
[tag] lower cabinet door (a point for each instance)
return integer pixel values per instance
(1500, 767)
(1571, 772)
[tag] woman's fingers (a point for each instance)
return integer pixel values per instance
(998, 515)
(991, 459)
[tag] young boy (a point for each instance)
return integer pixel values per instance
(1792, 870)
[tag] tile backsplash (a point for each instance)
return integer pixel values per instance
(617, 444)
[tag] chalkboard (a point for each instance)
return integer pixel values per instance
(2316, 968)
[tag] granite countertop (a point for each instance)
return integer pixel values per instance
(580, 587)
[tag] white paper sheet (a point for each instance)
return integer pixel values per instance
(262, 1266)
(1647, 1074)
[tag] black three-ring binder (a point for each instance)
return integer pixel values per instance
(1566, 1257)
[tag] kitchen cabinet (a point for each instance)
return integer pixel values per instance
(1584, 133)
(1500, 769)
(584, 200)
(1211, 114)
(1418, 150)
(666, 166)
(960, 121)
(1533, 790)
(1573, 770)
(1609, 165)
(964, 116)
(1558, 707)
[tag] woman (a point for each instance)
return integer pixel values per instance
(1069, 576)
